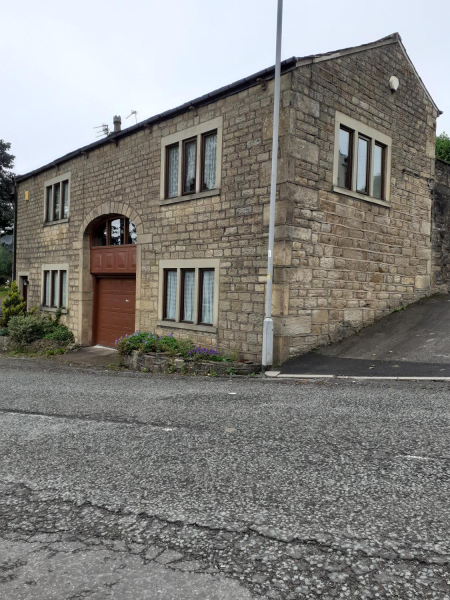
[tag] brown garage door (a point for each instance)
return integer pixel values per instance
(116, 303)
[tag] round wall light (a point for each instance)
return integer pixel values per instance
(393, 83)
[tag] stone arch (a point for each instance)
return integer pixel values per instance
(111, 208)
(86, 282)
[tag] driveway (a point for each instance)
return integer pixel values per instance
(131, 486)
(411, 342)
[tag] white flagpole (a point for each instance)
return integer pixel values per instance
(267, 348)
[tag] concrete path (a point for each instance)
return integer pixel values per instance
(91, 356)
(117, 486)
(413, 342)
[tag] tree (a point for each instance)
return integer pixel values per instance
(5, 264)
(13, 304)
(443, 147)
(6, 186)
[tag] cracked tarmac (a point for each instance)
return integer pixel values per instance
(117, 485)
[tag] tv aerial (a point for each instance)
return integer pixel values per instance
(104, 130)
(133, 112)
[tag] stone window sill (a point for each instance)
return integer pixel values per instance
(52, 309)
(359, 196)
(187, 326)
(206, 194)
(58, 222)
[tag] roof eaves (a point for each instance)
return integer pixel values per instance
(390, 39)
(222, 92)
(316, 58)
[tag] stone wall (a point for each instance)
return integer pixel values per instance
(125, 179)
(343, 262)
(441, 228)
(155, 362)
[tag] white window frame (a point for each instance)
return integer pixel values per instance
(196, 265)
(52, 182)
(54, 267)
(177, 138)
(375, 136)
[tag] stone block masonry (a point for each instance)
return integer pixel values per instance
(349, 261)
(441, 228)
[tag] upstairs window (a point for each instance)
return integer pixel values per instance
(57, 199)
(209, 160)
(189, 165)
(191, 162)
(362, 161)
(118, 231)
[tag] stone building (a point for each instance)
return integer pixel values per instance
(163, 226)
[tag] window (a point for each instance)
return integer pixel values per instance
(54, 286)
(57, 199)
(189, 165)
(206, 291)
(209, 157)
(362, 161)
(379, 161)
(170, 294)
(172, 171)
(189, 293)
(362, 171)
(345, 154)
(118, 231)
(191, 162)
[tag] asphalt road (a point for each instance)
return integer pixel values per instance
(410, 342)
(131, 486)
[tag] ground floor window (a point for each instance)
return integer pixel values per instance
(54, 286)
(189, 293)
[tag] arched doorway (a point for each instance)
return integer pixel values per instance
(113, 267)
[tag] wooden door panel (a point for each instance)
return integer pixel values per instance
(115, 306)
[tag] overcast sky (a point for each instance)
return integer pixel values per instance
(67, 67)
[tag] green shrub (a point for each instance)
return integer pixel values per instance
(149, 342)
(24, 329)
(60, 332)
(13, 304)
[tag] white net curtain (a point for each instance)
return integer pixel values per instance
(171, 303)
(189, 290)
(172, 180)
(207, 297)
(210, 149)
